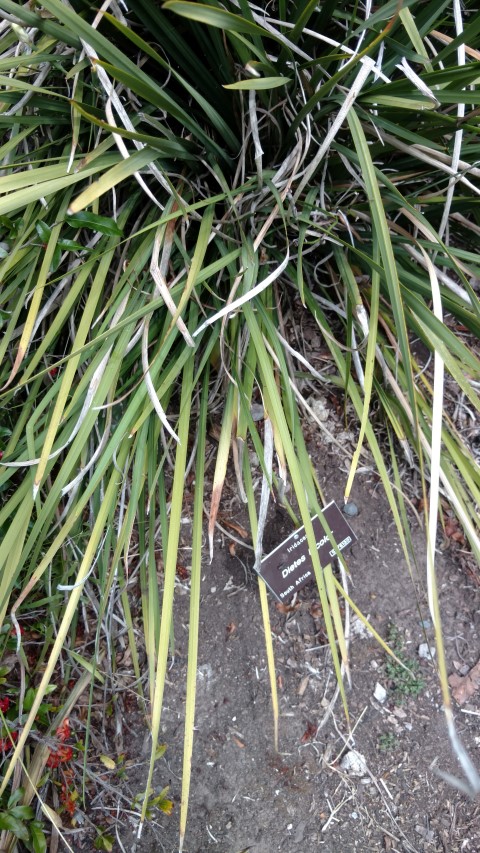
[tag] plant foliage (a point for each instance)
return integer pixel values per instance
(182, 183)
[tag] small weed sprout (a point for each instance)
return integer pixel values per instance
(387, 742)
(403, 684)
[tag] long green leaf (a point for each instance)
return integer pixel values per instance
(170, 566)
(194, 619)
(385, 245)
(213, 16)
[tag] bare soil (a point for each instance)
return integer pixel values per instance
(244, 795)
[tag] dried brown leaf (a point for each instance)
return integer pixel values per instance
(303, 685)
(233, 526)
(231, 628)
(309, 732)
(287, 608)
(463, 687)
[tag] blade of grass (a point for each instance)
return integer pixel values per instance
(112, 178)
(196, 573)
(221, 464)
(385, 245)
(371, 324)
(170, 569)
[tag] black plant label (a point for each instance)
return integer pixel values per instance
(289, 566)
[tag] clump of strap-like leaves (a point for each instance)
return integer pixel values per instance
(182, 184)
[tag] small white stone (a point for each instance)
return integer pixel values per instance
(400, 713)
(354, 763)
(257, 411)
(359, 629)
(319, 408)
(205, 673)
(380, 694)
(426, 652)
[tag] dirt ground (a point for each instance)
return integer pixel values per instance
(244, 795)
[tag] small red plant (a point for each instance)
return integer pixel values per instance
(61, 754)
(60, 757)
(64, 731)
(68, 794)
(7, 743)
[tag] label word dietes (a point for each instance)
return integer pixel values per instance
(293, 566)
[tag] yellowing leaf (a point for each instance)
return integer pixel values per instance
(160, 750)
(259, 83)
(166, 806)
(88, 665)
(52, 815)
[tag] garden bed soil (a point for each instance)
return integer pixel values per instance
(245, 795)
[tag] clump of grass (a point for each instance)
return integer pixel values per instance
(168, 215)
